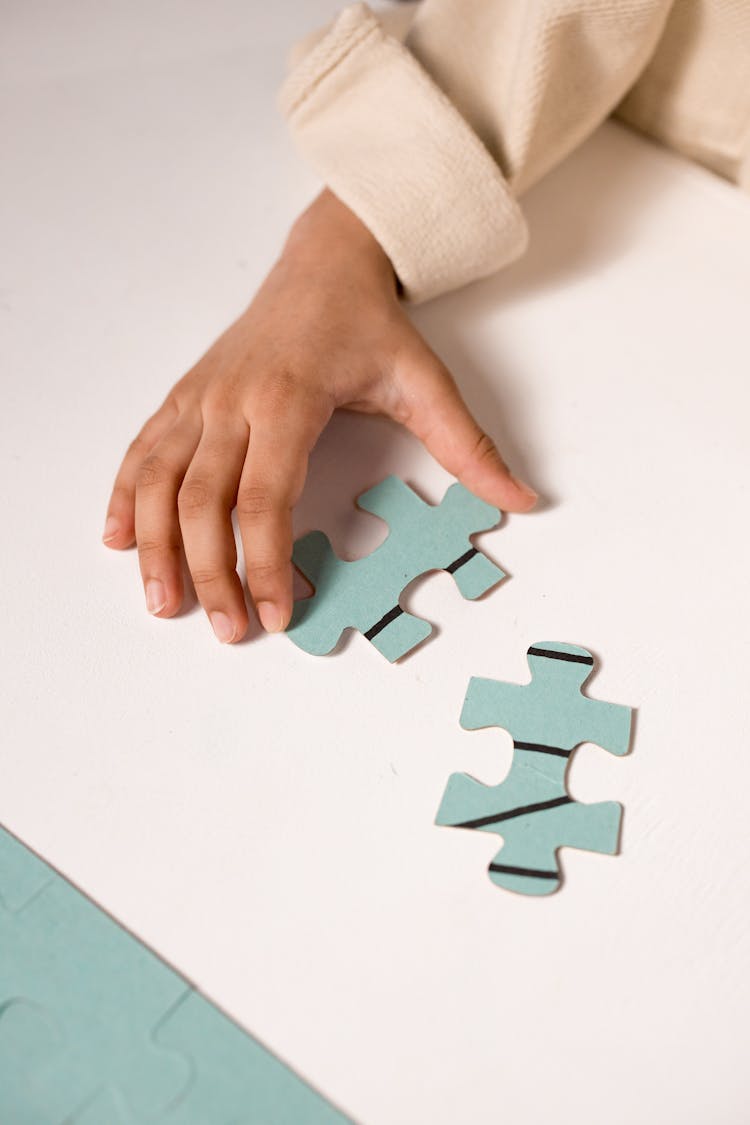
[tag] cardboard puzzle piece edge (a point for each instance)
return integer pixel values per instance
(531, 808)
(364, 594)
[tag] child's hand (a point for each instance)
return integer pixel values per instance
(325, 330)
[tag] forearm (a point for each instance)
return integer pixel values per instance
(431, 143)
(533, 80)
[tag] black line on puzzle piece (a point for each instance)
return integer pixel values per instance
(539, 748)
(506, 869)
(573, 657)
(522, 810)
(454, 566)
(385, 620)
(392, 614)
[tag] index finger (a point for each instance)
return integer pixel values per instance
(119, 525)
(272, 480)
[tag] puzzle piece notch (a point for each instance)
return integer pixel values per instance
(364, 593)
(531, 809)
(86, 1034)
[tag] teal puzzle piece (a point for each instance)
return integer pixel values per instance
(93, 991)
(531, 809)
(254, 1087)
(364, 594)
(97, 1030)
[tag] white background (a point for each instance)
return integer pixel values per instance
(263, 818)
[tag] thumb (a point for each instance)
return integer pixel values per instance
(431, 406)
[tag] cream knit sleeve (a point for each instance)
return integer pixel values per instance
(431, 140)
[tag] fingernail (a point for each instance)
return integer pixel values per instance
(269, 615)
(223, 627)
(156, 597)
(111, 527)
(525, 488)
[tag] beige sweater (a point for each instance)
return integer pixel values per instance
(430, 120)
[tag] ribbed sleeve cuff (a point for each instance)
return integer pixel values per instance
(395, 150)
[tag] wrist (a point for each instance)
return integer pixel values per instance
(328, 231)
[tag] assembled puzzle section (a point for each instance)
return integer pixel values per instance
(97, 1030)
(364, 594)
(531, 809)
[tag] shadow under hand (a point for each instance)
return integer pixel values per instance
(354, 452)
(581, 217)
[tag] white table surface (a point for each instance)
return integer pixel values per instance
(263, 818)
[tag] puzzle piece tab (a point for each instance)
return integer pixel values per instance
(97, 1030)
(531, 809)
(364, 594)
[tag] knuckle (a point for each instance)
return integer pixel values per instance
(277, 393)
(153, 472)
(151, 548)
(205, 577)
(220, 399)
(485, 450)
(194, 497)
(170, 408)
(254, 502)
(181, 399)
(264, 569)
(138, 445)
(399, 406)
